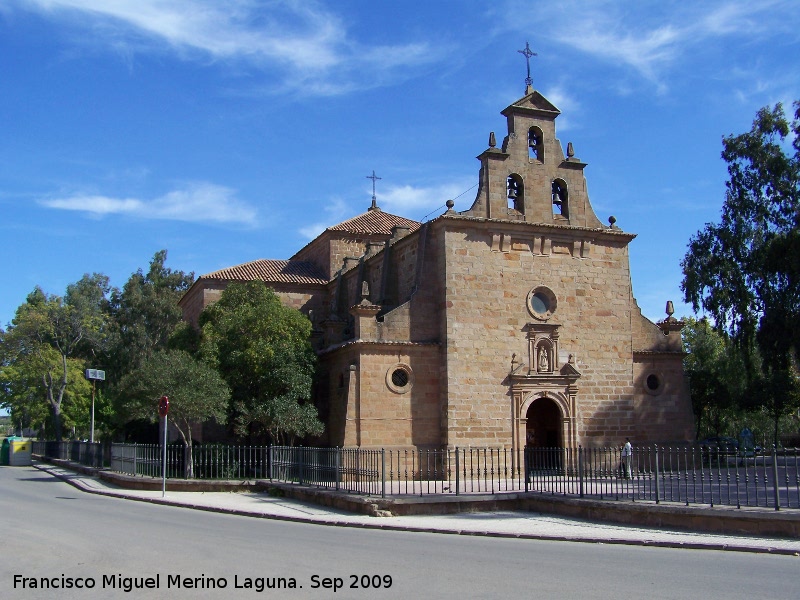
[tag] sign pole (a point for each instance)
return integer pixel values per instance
(163, 409)
(164, 462)
(94, 375)
(91, 435)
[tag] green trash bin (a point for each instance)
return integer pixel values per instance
(5, 450)
(19, 453)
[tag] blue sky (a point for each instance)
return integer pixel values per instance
(230, 131)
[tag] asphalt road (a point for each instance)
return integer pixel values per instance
(54, 532)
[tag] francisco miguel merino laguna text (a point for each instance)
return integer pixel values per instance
(128, 584)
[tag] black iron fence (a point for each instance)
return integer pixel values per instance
(688, 474)
(85, 453)
(209, 461)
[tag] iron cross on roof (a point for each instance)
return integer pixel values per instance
(374, 179)
(527, 53)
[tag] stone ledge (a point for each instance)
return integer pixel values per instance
(727, 520)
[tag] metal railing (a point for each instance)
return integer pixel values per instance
(686, 474)
(84, 453)
(209, 461)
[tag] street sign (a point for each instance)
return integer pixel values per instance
(163, 406)
(95, 374)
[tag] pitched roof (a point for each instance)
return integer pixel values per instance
(374, 221)
(533, 103)
(274, 271)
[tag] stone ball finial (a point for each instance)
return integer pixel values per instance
(492, 140)
(450, 204)
(612, 220)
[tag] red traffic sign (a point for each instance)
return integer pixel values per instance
(163, 406)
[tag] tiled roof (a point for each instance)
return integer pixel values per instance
(276, 271)
(374, 222)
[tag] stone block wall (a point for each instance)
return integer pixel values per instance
(486, 315)
(369, 410)
(663, 414)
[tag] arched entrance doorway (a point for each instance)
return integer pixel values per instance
(543, 436)
(543, 429)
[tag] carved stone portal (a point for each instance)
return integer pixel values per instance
(544, 377)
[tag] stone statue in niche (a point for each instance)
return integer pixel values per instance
(544, 361)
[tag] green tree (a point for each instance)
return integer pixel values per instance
(21, 389)
(715, 370)
(49, 338)
(144, 314)
(196, 394)
(776, 393)
(745, 270)
(262, 350)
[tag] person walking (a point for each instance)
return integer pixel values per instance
(625, 462)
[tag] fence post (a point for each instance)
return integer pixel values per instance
(302, 463)
(338, 464)
(526, 457)
(775, 475)
(269, 461)
(458, 472)
(658, 488)
(383, 473)
(580, 469)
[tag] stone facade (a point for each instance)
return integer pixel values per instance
(509, 324)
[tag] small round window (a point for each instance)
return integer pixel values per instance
(654, 384)
(400, 378)
(541, 303)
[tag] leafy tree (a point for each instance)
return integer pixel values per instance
(46, 338)
(24, 395)
(196, 393)
(21, 389)
(145, 313)
(716, 376)
(262, 350)
(776, 393)
(745, 270)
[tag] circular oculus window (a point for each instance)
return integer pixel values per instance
(400, 378)
(541, 303)
(654, 384)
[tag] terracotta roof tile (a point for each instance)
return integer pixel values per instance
(275, 271)
(374, 222)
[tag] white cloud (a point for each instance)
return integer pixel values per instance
(566, 103)
(304, 40)
(199, 202)
(406, 200)
(648, 38)
(410, 200)
(336, 211)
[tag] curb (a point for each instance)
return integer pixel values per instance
(77, 483)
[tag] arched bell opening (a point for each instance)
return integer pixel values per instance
(516, 193)
(535, 144)
(560, 196)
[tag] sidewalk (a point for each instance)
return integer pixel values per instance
(524, 525)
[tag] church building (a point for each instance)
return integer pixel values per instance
(510, 324)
